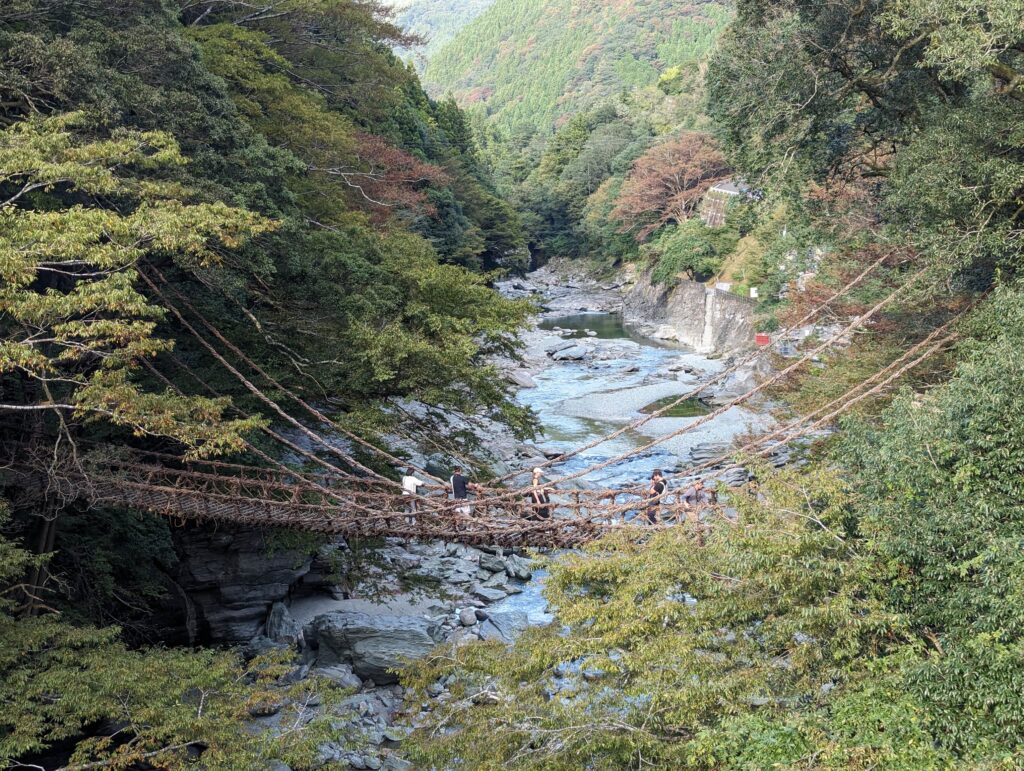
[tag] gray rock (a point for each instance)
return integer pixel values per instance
(708, 450)
(698, 315)
(259, 646)
(467, 617)
(231, 578)
(575, 353)
(511, 622)
(396, 734)
(488, 594)
(281, 627)
(504, 625)
(497, 581)
(563, 345)
(297, 675)
(489, 631)
(371, 645)
(498, 551)
(517, 567)
(330, 753)
(522, 379)
(341, 674)
(493, 563)
(733, 477)
(461, 551)
(465, 637)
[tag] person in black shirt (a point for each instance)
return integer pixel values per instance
(539, 499)
(459, 487)
(654, 496)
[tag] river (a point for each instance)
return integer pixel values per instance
(619, 375)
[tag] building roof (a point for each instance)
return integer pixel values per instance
(730, 187)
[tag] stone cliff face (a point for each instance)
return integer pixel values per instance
(230, 578)
(704, 318)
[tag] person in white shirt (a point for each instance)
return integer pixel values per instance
(411, 485)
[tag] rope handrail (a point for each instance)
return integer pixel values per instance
(741, 399)
(318, 414)
(338, 501)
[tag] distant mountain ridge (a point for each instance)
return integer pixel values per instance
(436, 21)
(534, 63)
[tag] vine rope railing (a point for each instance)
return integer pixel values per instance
(354, 500)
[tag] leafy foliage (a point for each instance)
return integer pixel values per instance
(73, 321)
(299, 191)
(563, 110)
(691, 248)
(863, 610)
(158, 706)
(434, 22)
(864, 614)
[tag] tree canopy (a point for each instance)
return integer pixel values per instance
(859, 610)
(181, 182)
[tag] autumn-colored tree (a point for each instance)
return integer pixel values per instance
(386, 178)
(667, 182)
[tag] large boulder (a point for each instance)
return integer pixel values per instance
(522, 379)
(371, 644)
(559, 346)
(489, 594)
(517, 567)
(341, 674)
(492, 563)
(281, 627)
(575, 353)
(505, 625)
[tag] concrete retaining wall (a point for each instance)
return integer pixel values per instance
(706, 319)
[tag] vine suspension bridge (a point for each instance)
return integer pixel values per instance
(342, 496)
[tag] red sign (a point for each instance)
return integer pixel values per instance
(762, 339)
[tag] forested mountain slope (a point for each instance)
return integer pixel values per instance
(566, 96)
(435, 22)
(537, 62)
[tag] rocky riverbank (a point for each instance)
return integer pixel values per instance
(587, 370)
(359, 642)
